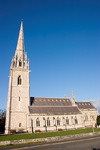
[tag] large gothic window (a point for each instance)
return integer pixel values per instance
(58, 122)
(48, 122)
(37, 122)
(19, 80)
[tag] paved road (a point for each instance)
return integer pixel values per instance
(87, 143)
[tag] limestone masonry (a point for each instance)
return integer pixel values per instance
(35, 114)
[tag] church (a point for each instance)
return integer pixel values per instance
(40, 114)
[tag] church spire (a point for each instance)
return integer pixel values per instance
(73, 98)
(18, 92)
(20, 58)
(20, 43)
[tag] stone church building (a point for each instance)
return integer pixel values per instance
(35, 114)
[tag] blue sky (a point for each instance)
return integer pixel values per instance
(62, 41)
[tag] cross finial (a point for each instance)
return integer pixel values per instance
(73, 98)
(64, 95)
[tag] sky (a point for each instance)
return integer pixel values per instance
(62, 41)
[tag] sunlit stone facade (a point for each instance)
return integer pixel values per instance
(35, 114)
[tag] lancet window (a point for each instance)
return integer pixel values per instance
(19, 80)
(20, 63)
(58, 122)
(76, 121)
(37, 122)
(67, 120)
(48, 122)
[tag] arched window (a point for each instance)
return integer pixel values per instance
(67, 120)
(20, 63)
(48, 122)
(37, 122)
(19, 124)
(58, 122)
(76, 121)
(19, 80)
(19, 98)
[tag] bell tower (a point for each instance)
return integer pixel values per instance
(19, 89)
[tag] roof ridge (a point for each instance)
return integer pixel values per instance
(51, 106)
(52, 97)
(83, 102)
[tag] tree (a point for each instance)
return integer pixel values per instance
(2, 120)
(98, 120)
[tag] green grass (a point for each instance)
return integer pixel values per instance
(44, 135)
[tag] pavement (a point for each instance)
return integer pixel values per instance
(85, 143)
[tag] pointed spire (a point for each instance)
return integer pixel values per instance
(64, 95)
(20, 58)
(20, 43)
(73, 98)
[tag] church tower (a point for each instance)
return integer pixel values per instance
(19, 89)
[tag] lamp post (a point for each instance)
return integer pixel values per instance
(92, 125)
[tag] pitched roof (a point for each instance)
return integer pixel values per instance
(44, 101)
(55, 106)
(54, 110)
(85, 105)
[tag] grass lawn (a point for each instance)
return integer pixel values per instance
(47, 134)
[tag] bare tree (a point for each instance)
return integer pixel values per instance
(2, 120)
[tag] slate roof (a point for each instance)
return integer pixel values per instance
(54, 110)
(55, 106)
(85, 105)
(43, 101)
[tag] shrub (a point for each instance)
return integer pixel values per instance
(59, 129)
(2, 120)
(13, 131)
(37, 131)
(98, 120)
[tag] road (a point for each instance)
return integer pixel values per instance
(87, 143)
